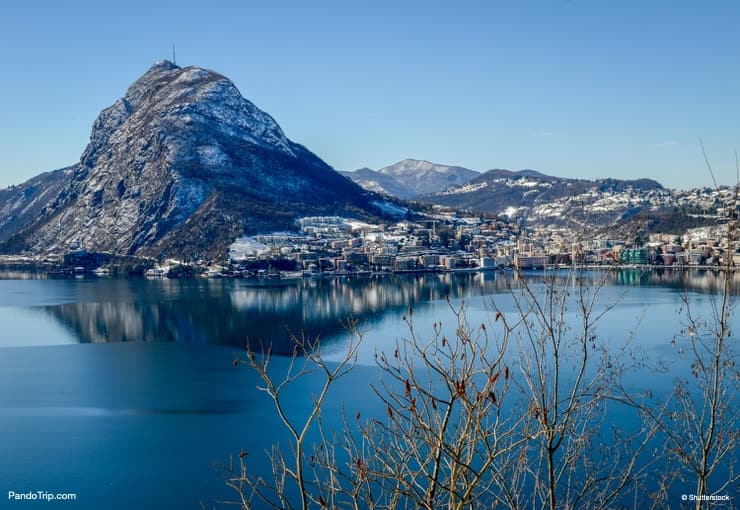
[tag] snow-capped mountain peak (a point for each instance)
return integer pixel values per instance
(423, 177)
(183, 161)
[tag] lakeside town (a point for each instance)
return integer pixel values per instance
(451, 241)
(441, 241)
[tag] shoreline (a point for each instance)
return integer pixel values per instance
(54, 271)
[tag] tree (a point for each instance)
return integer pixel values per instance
(477, 416)
(699, 419)
(296, 482)
(567, 378)
(447, 437)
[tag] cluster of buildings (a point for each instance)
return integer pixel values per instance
(447, 241)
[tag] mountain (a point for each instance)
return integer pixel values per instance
(499, 173)
(523, 194)
(179, 166)
(531, 194)
(20, 204)
(373, 180)
(423, 177)
(411, 178)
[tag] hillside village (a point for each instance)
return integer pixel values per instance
(548, 235)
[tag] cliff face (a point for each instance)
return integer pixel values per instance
(181, 165)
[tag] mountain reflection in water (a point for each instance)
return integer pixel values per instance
(230, 312)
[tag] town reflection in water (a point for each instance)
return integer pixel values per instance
(234, 312)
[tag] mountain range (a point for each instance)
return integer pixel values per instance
(527, 194)
(498, 191)
(181, 164)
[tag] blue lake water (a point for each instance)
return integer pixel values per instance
(124, 391)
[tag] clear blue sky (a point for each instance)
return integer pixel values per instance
(572, 88)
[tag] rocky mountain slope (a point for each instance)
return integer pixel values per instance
(20, 204)
(181, 165)
(411, 178)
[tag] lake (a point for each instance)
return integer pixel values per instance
(124, 392)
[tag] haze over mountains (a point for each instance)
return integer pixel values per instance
(181, 163)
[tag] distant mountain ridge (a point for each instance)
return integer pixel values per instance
(493, 191)
(523, 194)
(411, 178)
(181, 165)
(503, 191)
(514, 174)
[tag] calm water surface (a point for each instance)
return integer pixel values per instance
(124, 392)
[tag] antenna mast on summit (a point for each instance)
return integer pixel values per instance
(174, 61)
